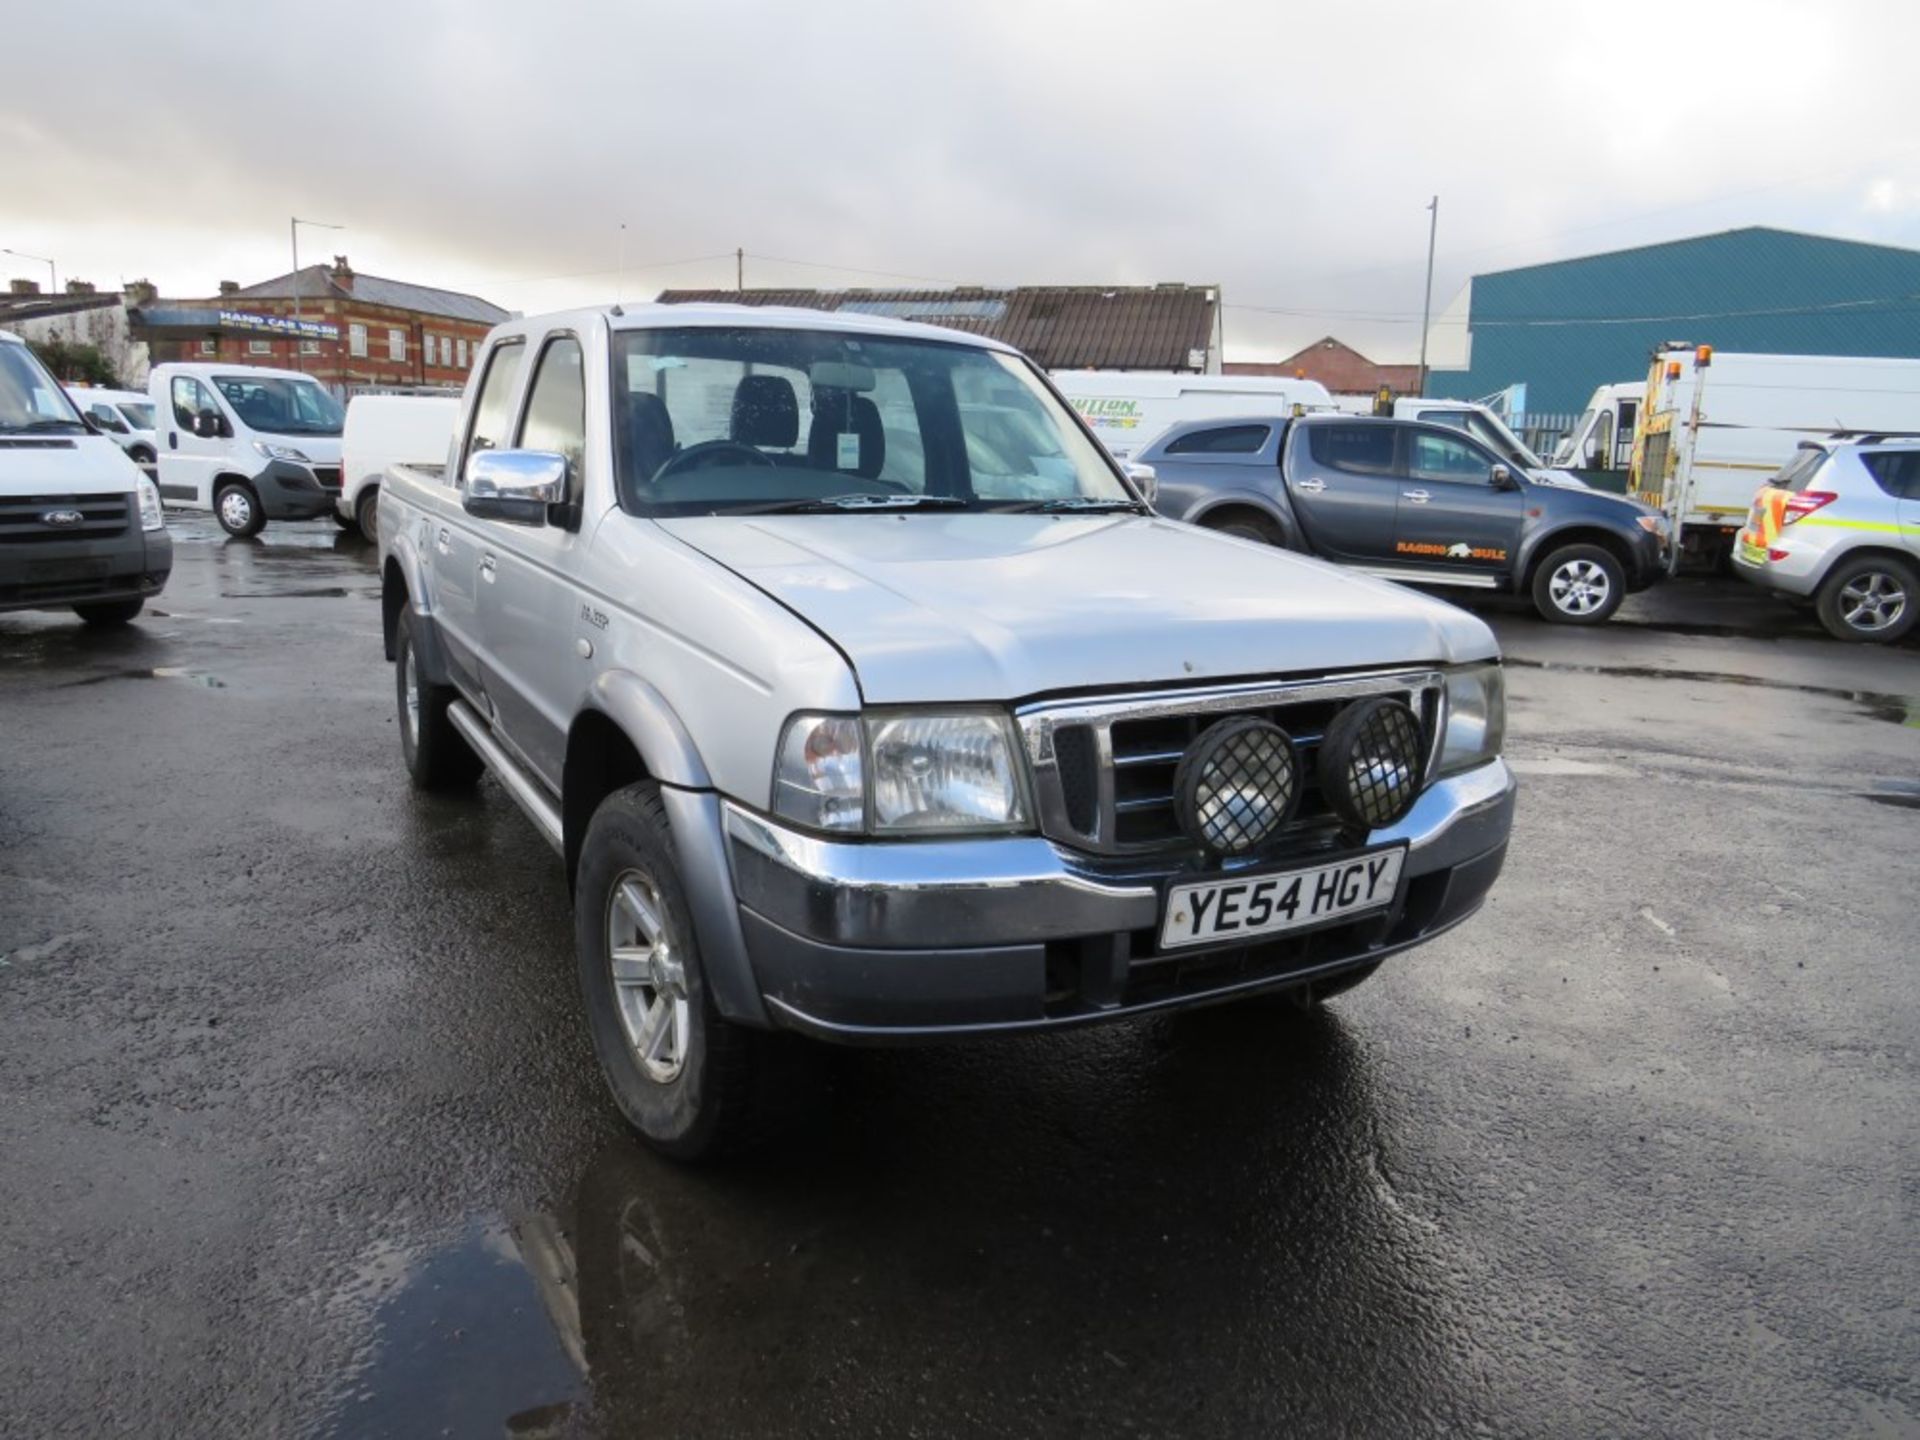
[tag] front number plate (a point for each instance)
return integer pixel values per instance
(1248, 906)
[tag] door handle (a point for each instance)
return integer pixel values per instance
(486, 568)
(173, 439)
(1312, 487)
(1418, 497)
(444, 544)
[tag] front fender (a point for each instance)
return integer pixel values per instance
(1281, 515)
(413, 576)
(648, 720)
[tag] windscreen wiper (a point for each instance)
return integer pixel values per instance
(858, 501)
(1078, 504)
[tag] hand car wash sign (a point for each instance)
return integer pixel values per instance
(279, 325)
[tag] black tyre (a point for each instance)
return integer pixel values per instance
(346, 523)
(141, 455)
(237, 509)
(1246, 527)
(366, 514)
(1873, 600)
(109, 613)
(685, 1079)
(437, 755)
(1579, 585)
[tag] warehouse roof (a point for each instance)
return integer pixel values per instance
(1063, 327)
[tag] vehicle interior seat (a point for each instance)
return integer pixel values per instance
(766, 415)
(841, 412)
(649, 435)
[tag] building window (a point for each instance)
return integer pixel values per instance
(461, 350)
(209, 347)
(446, 351)
(357, 339)
(309, 347)
(426, 349)
(397, 346)
(259, 347)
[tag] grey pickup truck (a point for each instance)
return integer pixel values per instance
(864, 697)
(1412, 501)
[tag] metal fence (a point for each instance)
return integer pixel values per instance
(1543, 431)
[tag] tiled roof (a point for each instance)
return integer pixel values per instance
(316, 282)
(1336, 365)
(1063, 327)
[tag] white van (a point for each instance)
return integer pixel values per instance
(248, 443)
(382, 431)
(126, 415)
(80, 527)
(1599, 447)
(1129, 410)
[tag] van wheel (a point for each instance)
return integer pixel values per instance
(1874, 599)
(437, 755)
(346, 523)
(366, 514)
(1579, 585)
(237, 509)
(109, 613)
(683, 1077)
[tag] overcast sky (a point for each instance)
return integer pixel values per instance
(1283, 151)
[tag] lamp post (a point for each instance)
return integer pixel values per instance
(1426, 306)
(293, 230)
(53, 279)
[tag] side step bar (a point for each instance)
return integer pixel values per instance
(526, 791)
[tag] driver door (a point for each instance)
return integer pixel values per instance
(188, 462)
(1450, 517)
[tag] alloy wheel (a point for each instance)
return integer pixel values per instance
(1871, 602)
(1580, 587)
(649, 977)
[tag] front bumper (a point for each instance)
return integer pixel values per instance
(918, 940)
(289, 490)
(134, 564)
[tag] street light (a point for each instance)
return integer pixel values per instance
(294, 223)
(53, 280)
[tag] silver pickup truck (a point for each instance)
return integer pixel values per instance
(864, 697)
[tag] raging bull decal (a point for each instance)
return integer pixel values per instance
(1459, 550)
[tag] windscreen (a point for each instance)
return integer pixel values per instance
(139, 414)
(279, 406)
(31, 400)
(711, 420)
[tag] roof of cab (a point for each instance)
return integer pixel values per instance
(649, 316)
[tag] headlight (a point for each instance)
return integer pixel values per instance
(1476, 717)
(280, 452)
(1653, 524)
(897, 774)
(152, 516)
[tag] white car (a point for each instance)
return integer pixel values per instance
(126, 415)
(248, 443)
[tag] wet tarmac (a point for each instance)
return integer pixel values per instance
(301, 1135)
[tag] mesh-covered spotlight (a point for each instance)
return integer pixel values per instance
(1371, 762)
(1236, 785)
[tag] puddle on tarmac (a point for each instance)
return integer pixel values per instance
(1902, 794)
(466, 1343)
(157, 672)
(1876, 705)
(329, 592)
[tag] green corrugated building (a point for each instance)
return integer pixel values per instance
(1564, 327)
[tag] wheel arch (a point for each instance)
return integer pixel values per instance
(1223, 509)
(1575, 534)
(1887, 554)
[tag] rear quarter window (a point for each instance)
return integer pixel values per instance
(1798, 472)
(1895, 471)
(1221, 440)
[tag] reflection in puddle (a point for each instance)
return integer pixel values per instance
(1877, 705)
(157, 672)
(462, 1345)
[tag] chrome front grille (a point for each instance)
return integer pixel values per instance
(23, 522)
(1103, 769)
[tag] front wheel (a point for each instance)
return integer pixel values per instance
(1875, 599)
(683, 1077)
(1579, 585)
(366, 514)
(109, 613)
(238, 510)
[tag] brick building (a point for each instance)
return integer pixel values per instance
(353, 332)
(1339, 367)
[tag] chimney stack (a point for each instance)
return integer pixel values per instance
(80, 287)
(23, 287)
(342, 273)
(141, 292)
(229, 287)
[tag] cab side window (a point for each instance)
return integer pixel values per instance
(556, 414)
(1897, 471)
(492, 412)
(1221, 440)
(1442, 457)
(1357, 449)
(190, 397)
(107, 418)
